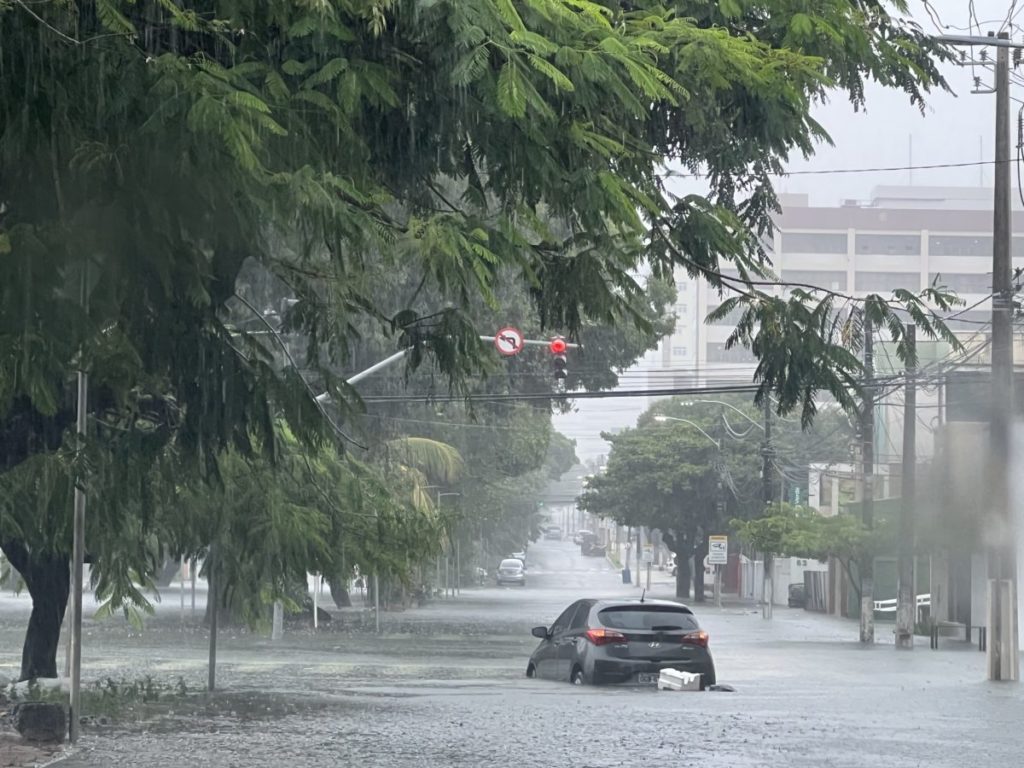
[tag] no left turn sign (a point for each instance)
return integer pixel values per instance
(509, 341)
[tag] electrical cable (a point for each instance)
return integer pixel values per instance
(669, 174)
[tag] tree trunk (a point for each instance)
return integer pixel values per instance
(342, 599)
(698, 570)
(683, 573)
(47, 577)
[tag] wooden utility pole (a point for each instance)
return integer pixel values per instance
(906, 593)
(867, 566)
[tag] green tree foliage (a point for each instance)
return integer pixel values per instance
(154, 151)
(802, 532)
(668, 475)
(781, 527)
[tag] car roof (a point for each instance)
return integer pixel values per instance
(515, 560)
(602, 604)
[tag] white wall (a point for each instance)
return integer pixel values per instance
(790, 570)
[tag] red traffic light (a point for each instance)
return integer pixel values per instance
(557, 346)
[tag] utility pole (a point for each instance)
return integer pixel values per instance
(1003, 640)
(767, 578)
(211, 600)
(1003, 662)
(78, 537)
(867, 567)
(906, 593)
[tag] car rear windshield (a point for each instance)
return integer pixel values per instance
(510, 564)
(663, 618)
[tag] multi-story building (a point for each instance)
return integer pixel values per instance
(904, 237)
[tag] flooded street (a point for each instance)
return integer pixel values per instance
(445, 685)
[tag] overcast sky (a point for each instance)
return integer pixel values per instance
(955, 128)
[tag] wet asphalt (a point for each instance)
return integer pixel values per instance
(444, 685)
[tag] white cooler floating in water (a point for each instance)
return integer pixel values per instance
(675, 680)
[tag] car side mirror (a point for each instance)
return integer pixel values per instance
(540, 632)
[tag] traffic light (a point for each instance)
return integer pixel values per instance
(558, 347)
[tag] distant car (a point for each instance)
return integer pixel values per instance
(511, 571)
(553, 532)
(600, 642)
(577, 538)
(520, 556)
(590, 547)
(797, 598)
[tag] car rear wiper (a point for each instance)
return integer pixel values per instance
(665, 628)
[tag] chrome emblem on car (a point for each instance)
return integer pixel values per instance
(654, 645)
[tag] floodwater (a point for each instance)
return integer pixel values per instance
(444, 686)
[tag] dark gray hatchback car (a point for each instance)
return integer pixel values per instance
(621, 641)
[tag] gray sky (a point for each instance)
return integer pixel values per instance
(955, 128)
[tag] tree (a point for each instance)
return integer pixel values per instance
(802, 532)
(669, 477)
(154, 151)
(773, 534)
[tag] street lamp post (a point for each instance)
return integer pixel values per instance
(661, 418)
(767, 459)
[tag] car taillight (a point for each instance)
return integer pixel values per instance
(605, 636)
(700, 637)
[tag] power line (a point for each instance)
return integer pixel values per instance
(835, 171)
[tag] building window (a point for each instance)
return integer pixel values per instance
(731, 319)
(833, 280)
(893, 245)
(814, 242)
(717, 353)
(963, 282)
(959, 245)
(887, 281)
(680, 351)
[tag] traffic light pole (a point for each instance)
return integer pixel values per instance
(397, 356)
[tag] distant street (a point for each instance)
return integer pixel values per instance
(445, 686)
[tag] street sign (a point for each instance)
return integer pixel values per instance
(648, 553)
(718, 550)
(509, 341)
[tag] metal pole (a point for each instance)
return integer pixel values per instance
(766, 454)
(316, 604)
(192, 575)
(767, 581)
(78, 541)
(277, 627)
(1003, 663)
(214, 604)
(181, 587)
(458, 566)
(639, 535)
(718, 586)
(867, 567)
(906, 603)
(376, 601)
